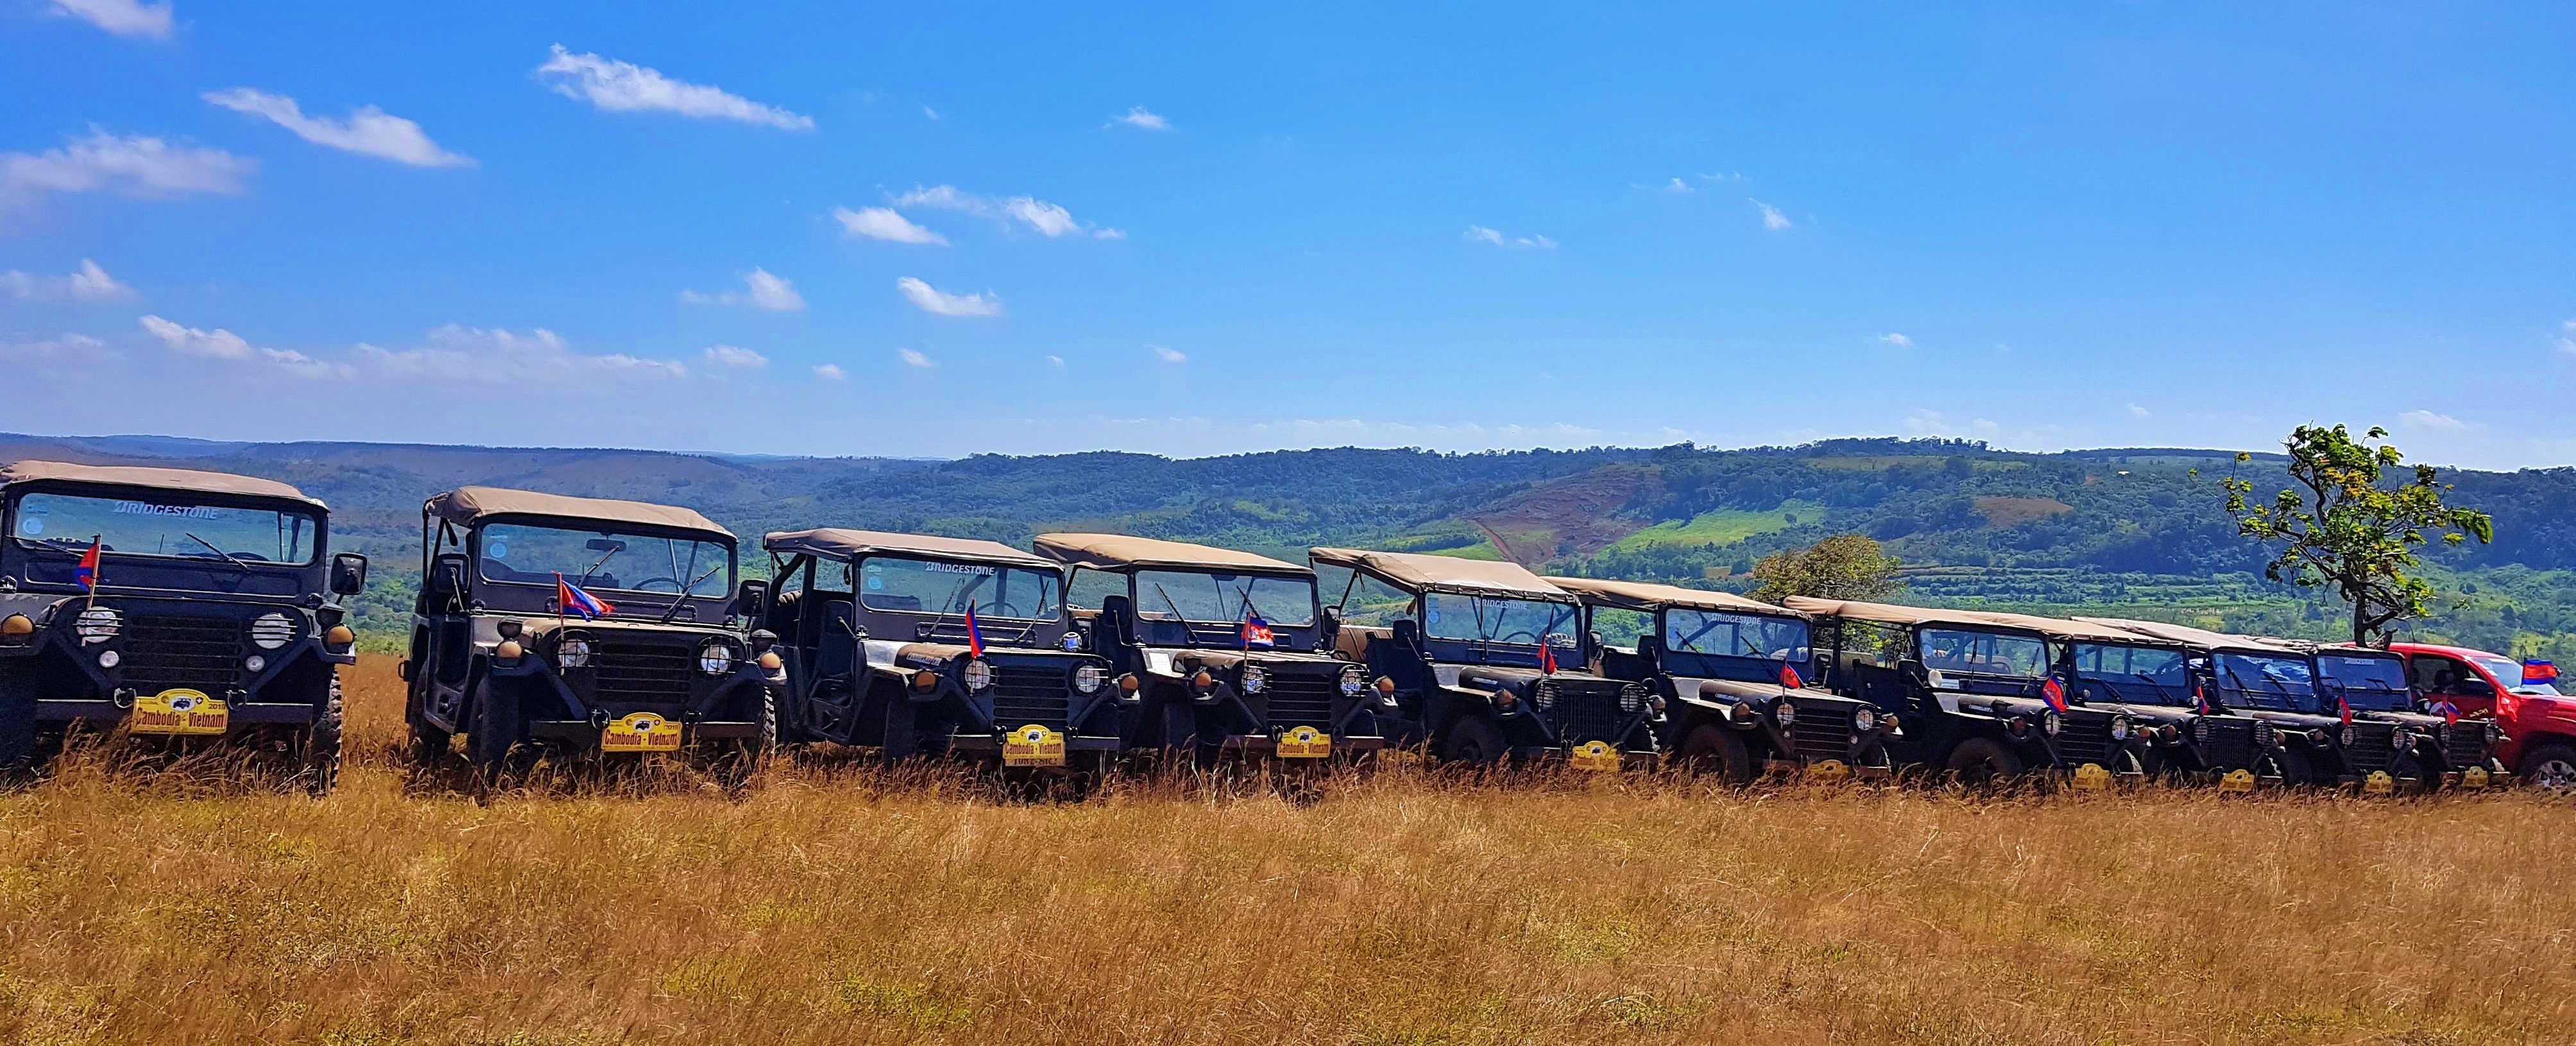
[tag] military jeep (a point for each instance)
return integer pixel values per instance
(1971, 689)
(2137, 711)
(1735, 672)
(2425, 750)
(583, 625)
(1485, 662)
(935, 646)
(1227, 649)
(193, 606)
(2298, 735)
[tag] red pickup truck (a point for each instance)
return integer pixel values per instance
(2539, 722)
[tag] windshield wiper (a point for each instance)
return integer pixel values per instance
(2159, 688)
(955, 598)
(614, 548)
(1188, 638)
(228, 557)
(682, 599)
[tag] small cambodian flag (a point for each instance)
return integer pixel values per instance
(2343, 708)
(1546, 657)
(1256, 633)
(974, 632)
(2200, 701)
(2054, 694)
(2443, 707)
(570, 597)
(86, 574)
(1789, 677)
(2538, 671)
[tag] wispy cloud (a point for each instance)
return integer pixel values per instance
(830, 371)
(1898, 340)
(760, 291)
(1046, 219)
(882, 223)
(122, 17)
(1056, 362)
(65, 347)
(368, 131)
(1677, 186)
(134, 166)
(220, 344)
(1167, 355)
(913, 358)
(930, 112)
(1140, 116)
(2425, 419)
(2567, 337)
(2136, 411)
(1772, 219)
(1495, 237)
(734, 356)
(938, 302)
(457, 354)
(626, 87)
(90, 284)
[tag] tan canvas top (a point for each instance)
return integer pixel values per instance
(1892, 614)
(839, 543)
(466, 506)
(1415, 570)
(1647, 595)
(2081, 630)
(2196, 637)
(1120, 552)
(189, 480)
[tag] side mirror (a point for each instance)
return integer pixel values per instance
(2474, 688)
(348, 574)
(749, 596)
(1914, 671)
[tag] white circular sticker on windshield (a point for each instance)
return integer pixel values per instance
(497, 549)
(31, 526)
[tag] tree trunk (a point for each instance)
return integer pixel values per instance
(2360, 625)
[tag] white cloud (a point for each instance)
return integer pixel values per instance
(122, 17)
(830, 371)
(760, 291)
(2425, 419)
(1677, 186)
(135, 165)
(458, 354)
(68, 346)
(1044, 218)
(1495, 237)
(912, 358)
(933, 300)
(1139, 116)
(1168, 355)
(368, 131)
(626, 87)
(734, 356)
(930, 112)
(2136, 411)
(882, 223)
(91, 283)
(1056, 362)
(222, 344)
(2567, 337)
(1935, 423)
(1898, 340)
(1772, 219)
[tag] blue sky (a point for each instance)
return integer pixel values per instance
(880, 229)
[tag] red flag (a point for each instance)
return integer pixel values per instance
(1546, 658)
(2345, 708)
(86, 574)
(974, 632)
(1789, 677)
(2054, 694)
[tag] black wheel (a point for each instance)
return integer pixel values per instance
(319, 744)
(19, 755)
(2551, 767)
(1714, 751)
(740, 759)
(492, 728)
(1982, 760)
(2281, 768)
(427, 744)
(1472, 740)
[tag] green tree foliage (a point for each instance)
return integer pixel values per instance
(2351, 531)
(1845, 566)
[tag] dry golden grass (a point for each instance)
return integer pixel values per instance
(835, 904)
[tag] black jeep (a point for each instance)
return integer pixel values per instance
(1485, 661)
(184, 604)
(549, 622)
(2144, 714)
(1735, 672)
(2425, 750)
(2298, 735)
(1227, 647)
(937, 646)
(1971, 689)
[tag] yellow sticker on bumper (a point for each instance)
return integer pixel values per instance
(2378, 783)
(640, 732)
(2237, 780)
(1304, 742)
(179, 711)
(1828, 770)
(2091, 777)
(2473, 777)
(1033, 745)
(1593, 755)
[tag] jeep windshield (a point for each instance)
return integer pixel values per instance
(2269, 682)
(1207, 597)
(1954, 652)
(1495, 619)
(1752, 645)
(947, 588)
(2371, 684)
(608, 560)
(2141, 675)
(170, 525)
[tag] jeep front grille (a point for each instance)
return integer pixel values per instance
(2369, 748)
(181, 650)
(1585, 711)
(1032, 695)
(1822, 730)
(2084, 737)
(628, 671)
(2464, 744)
(2229, 744)
(1300, 700)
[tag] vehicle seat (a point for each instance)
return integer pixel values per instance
(837, 655)
(1400, 657)
(1353, 641)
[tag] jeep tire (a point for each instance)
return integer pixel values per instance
(1711, 750)
(1472, 740)
(1983, 760)
(492, 727)
(319, 744)
(19, 754)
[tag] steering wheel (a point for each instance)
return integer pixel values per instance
(1533, 637)
(671, 581)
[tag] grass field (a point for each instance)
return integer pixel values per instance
(1721, 527)
(838, 904)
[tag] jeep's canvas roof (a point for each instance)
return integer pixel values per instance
(1647, 595)
(189, 480)
(1415, 570)
(838, 543)
(1892, 614)
(2197, 637)
(2080, 630)
(467, 506)
(1120, 552)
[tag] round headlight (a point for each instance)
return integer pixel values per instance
(2265, 736)
(1864, 719)
(2400, 740)
(1785, 712)
(978, 674)
(1254, 680)
(1544, 695)
(715, 658)
(1072, 640)
(2051, 723)
(573, 653)
(108, 659)
(1087, 678)
(97, 624)
(2200, 729)
(2351, 735)
(1632, 698)
(272, 630)
(2119, 728)
(1353, 681)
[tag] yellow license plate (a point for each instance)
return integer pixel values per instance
(1593, 755)
(2237, 780)
(1304, 742)
(2091, 777)
(2473, 777)
(2378, 783)
(1033, 746)
(640, 732)
(1828, 770)
(179, 711)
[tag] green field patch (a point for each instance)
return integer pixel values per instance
(1722, 527)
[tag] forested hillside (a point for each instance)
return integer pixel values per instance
(2136, 532)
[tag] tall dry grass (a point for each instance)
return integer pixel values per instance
(833, 904)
